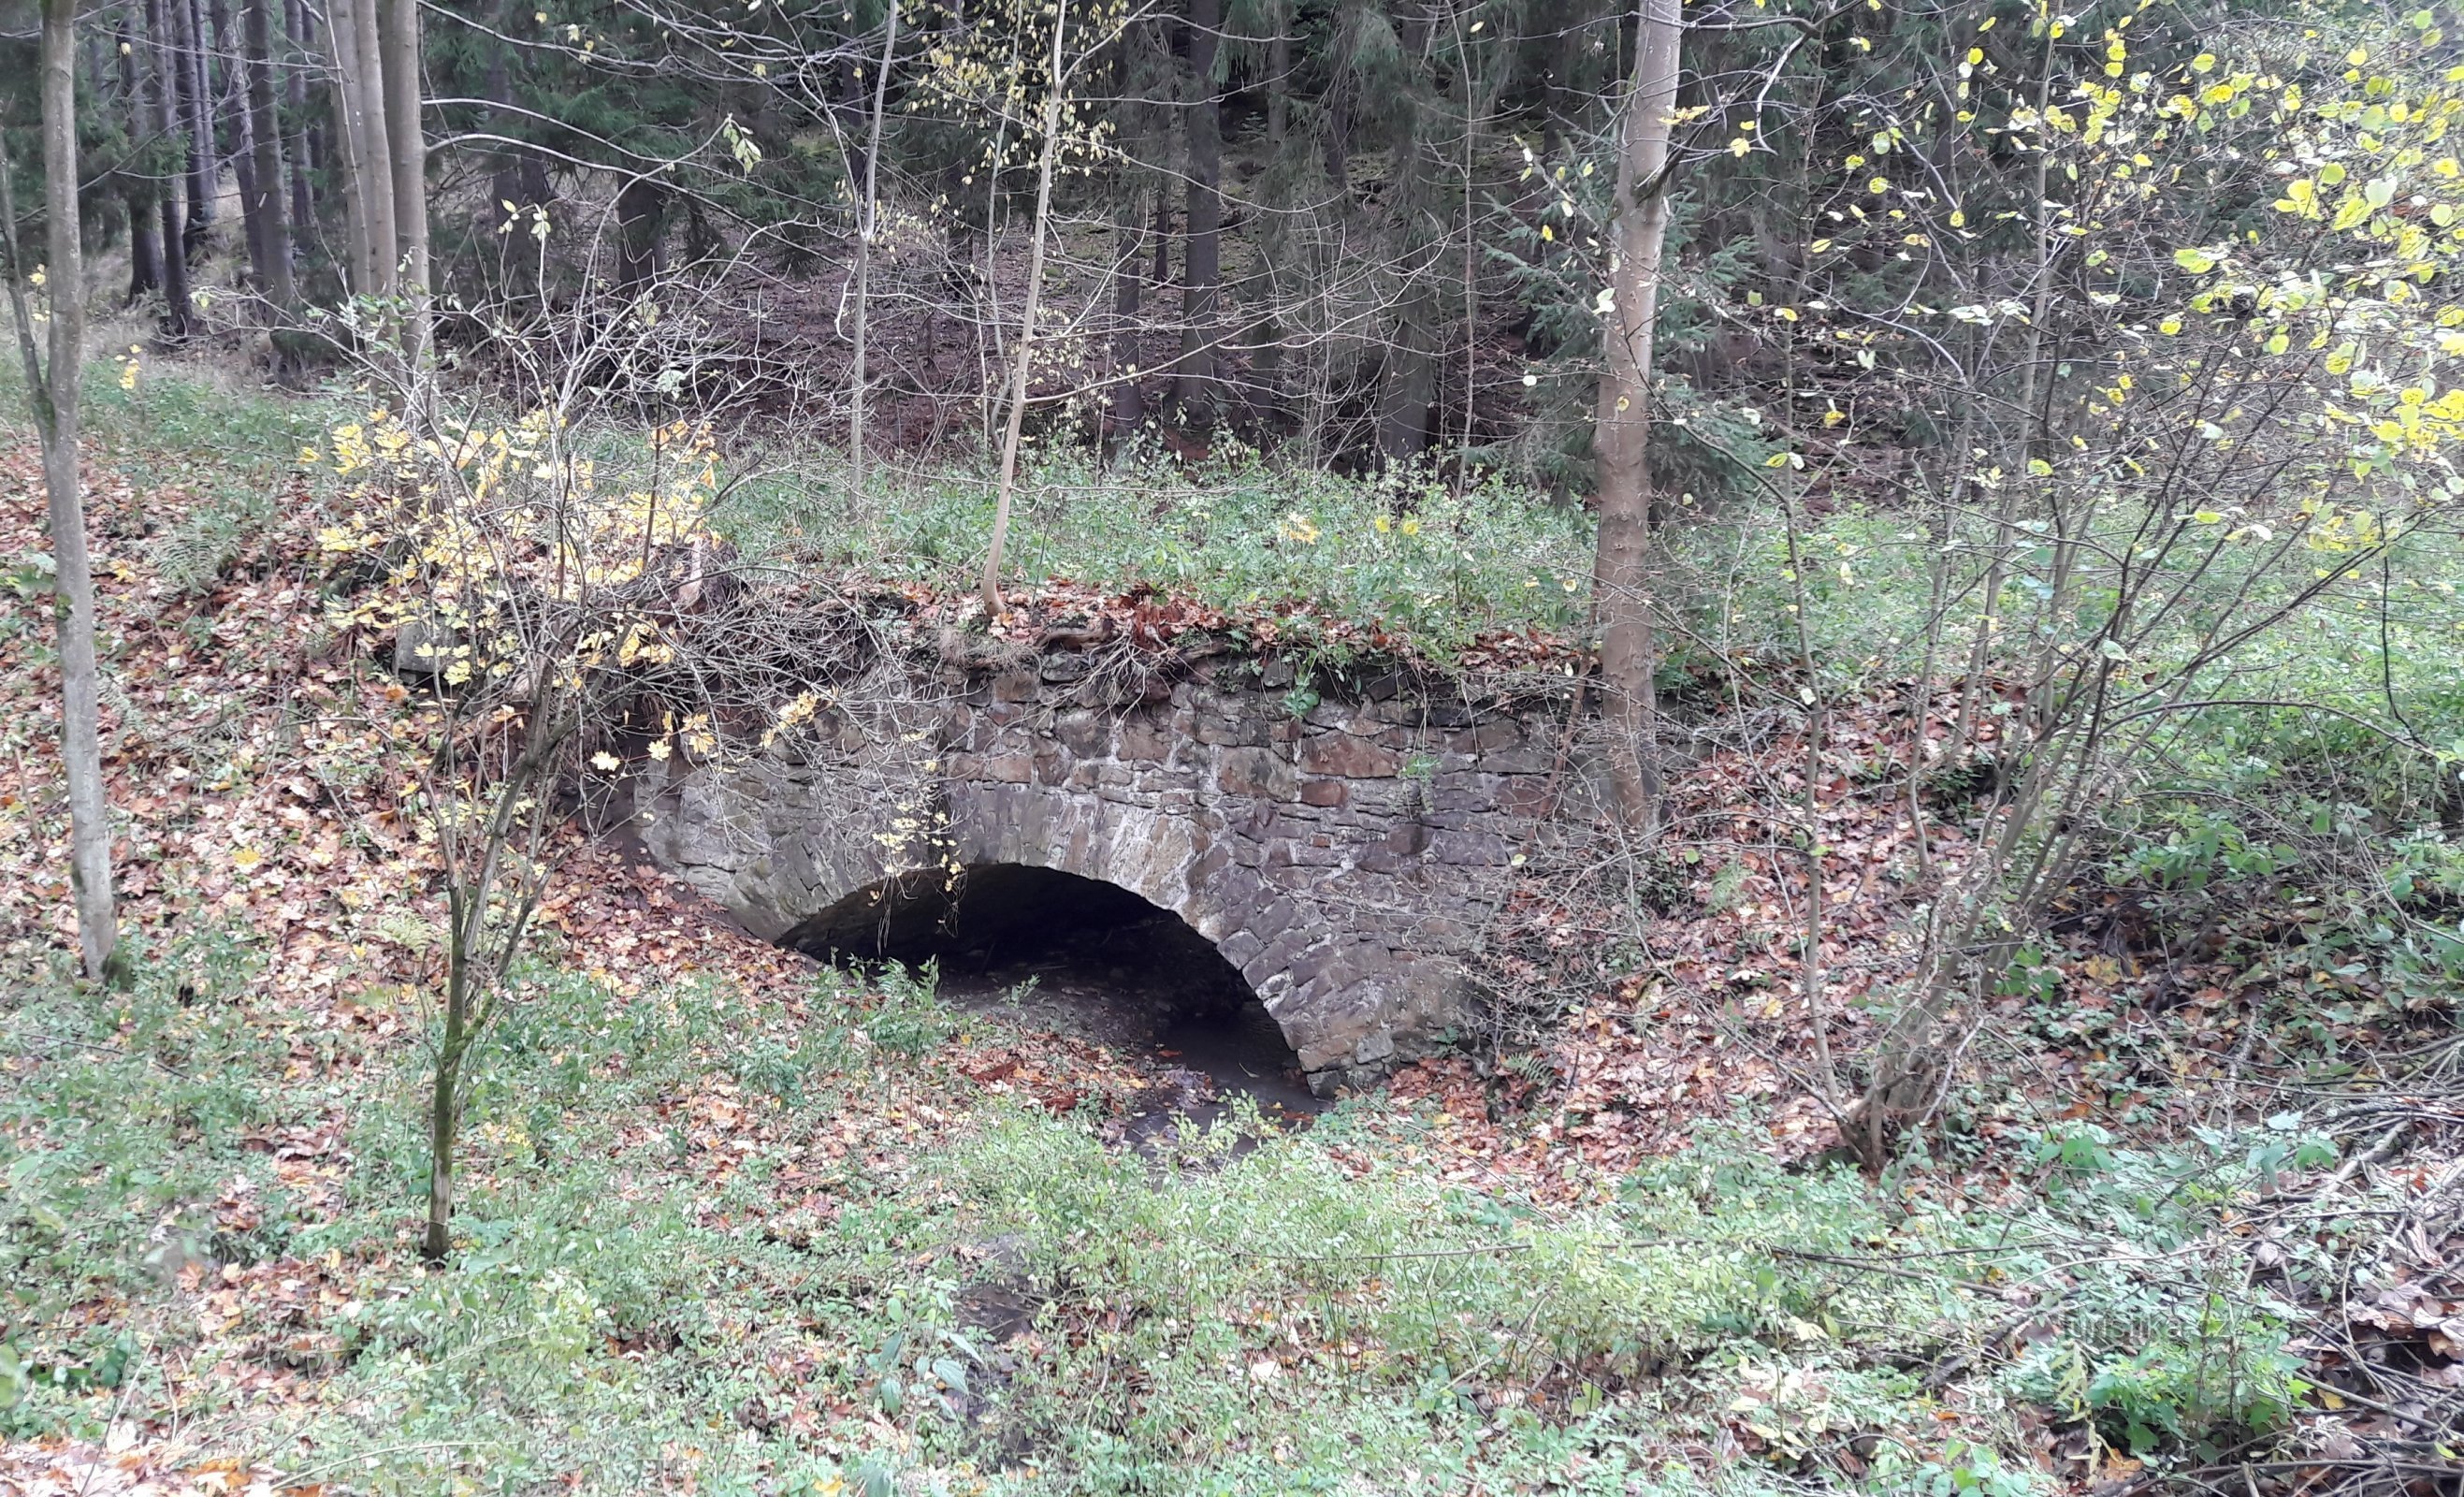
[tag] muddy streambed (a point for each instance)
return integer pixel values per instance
(1201, 1062)
(1048, 952)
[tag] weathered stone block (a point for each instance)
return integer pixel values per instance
(1523, 795)
(1349, 757)
(1237, 730)
(1257, 771)
(1323, 792)
(1487, 737)
(1012, 769)
(1471, 849)
(1088, 735)
(1524, 758)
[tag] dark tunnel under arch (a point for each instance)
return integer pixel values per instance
(1011, 918)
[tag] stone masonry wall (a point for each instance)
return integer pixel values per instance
(1343, 860)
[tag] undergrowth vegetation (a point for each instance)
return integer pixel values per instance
(730, 1233)
(687, 1256)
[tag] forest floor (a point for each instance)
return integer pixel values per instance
(733, 1222)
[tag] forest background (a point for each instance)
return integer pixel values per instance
(1988, 471)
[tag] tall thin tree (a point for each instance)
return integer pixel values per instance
(54, 391)
(406, 160)
(227, 80)
(197, 119)
(867, 230)
(1194, 379)
(163, 96)
(144, 236)
(1621, 427)
(306, 155)
(1024, 367)
(363, 275)
(269, 211)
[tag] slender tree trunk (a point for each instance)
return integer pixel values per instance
(641, 207)
(1162, 237)
(1338, 139)
(1279, 79)
(144, 247)
(164, 96)
(1194, 379)
(1621, 429)
(197, 118)
(374, 167)
(1265, 338)
(301, 27)
(406, 159)
(144, 233)
(444, 1108)
(1407, 391)
(54, 392)
(1407, 387)
(864, 244)
(1023, 367)
(368, 195)
(269, 210)
(230, 92)
(505, 180)
(1129, 405)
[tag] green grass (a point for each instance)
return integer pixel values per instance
(632, 1301)
(1402, 554)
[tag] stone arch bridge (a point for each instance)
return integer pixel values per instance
(1343, 857)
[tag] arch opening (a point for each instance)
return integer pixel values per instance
(1077, 955)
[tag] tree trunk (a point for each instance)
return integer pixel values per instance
(1162, 236)
(197, 118)
(359, 274)
(1194, 379)
(1279, 79)
(872, 226)
(405, 158)
(373, 164)
(1265, 339)
(302, 30)
(54, 393)
(230, 92)
(505, 179)
(1407, 391)
(1129, 405)
(445, 1110)
(1623, 425)
(1338, 141)
(164, 96)
(1022, 366)
(144, 233)
(269, 210)
(1407, 385)
(640, 206)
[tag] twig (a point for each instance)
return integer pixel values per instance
(107, 1050)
